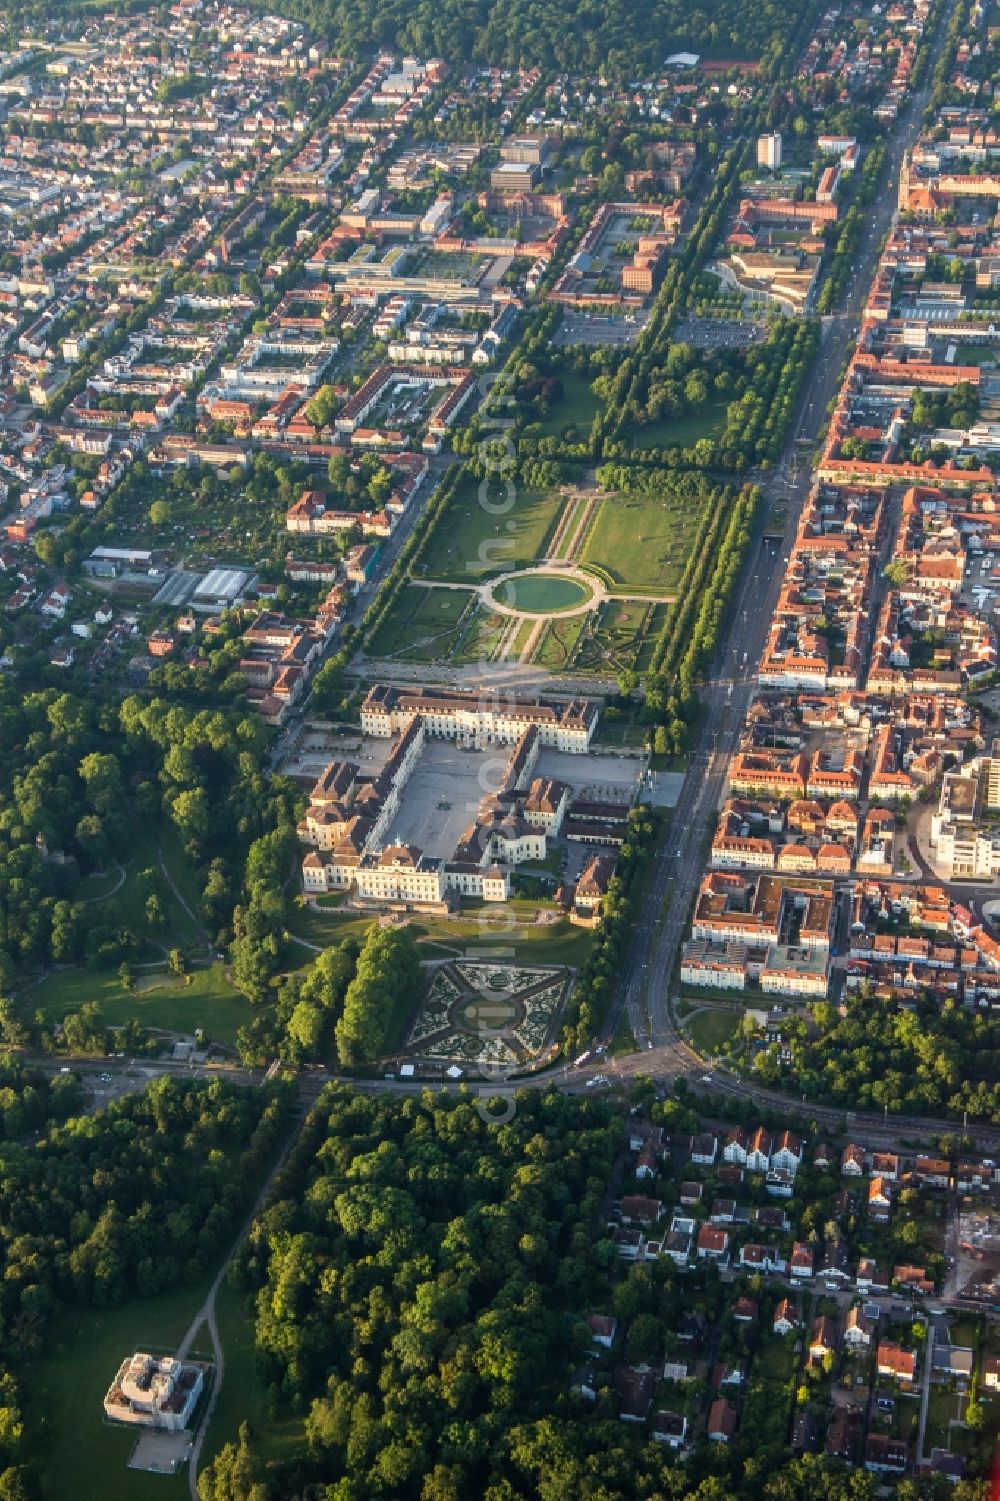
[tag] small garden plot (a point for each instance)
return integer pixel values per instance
(433, 1014)
(488, 1013)
(558, 642)
(612, 641)
(482, 637)
(507, 978)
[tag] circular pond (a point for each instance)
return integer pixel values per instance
(541, 593)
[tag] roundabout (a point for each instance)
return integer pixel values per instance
(543, 592)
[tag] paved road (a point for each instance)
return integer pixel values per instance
(206, 1315)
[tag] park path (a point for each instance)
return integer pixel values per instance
(206, 1313)
(181, 899)
(581, 525)
(104, 895)
(528, 650)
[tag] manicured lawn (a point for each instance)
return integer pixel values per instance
(75, 1452)
(511, 926)
(520, 640)
(243, 1397)
(423, 624)
(682, 432)
(977, 354)
(481, 638)
(474, 540)
(614, 637)
(642, 540)
(558, 641)
(208, 1001)
(710, 1029)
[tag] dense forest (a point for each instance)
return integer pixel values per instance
(420, 1280)
(869, 1054)
(80, 780)
(617, 38)
(98, 1209)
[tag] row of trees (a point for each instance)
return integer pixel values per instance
(385, 984)
(406, 564)
(619, 42)
(598, 978)
(692, 631)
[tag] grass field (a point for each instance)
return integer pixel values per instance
(475, 540)
(125, 903)
(577, 408)
(208, 1001)
(243, 1397)
(642, 540)
(682, 432)
(708, 1030)
(423, 624)
(75, 1452)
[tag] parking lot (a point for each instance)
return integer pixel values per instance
(720, 333)
(589, 328)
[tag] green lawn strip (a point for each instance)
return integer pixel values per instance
(474, 540)
(205, 1000)
(942, 1406)
(682, 432)
(709, 1030)
(569, 520)
(623, 1041)
(642, 540)
(76, 1453)
(520, 640)
(244, 1397)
